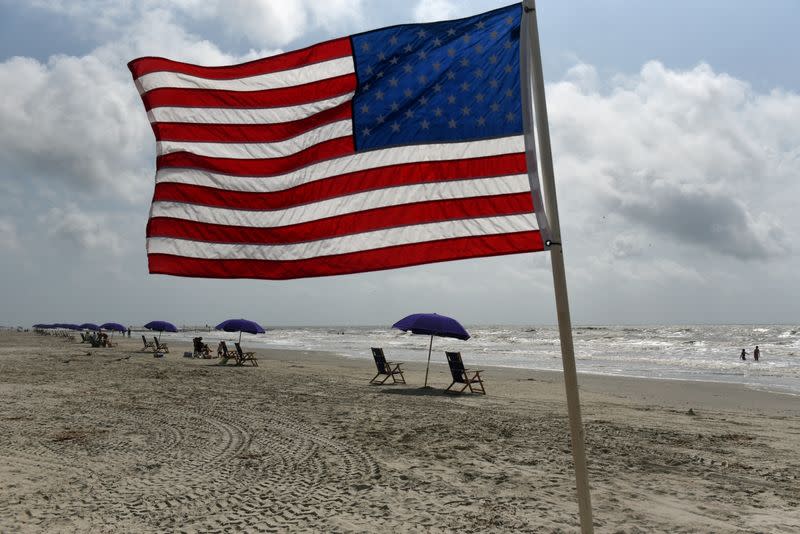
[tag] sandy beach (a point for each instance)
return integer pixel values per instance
(115, 440)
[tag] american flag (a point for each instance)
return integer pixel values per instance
(390, 148)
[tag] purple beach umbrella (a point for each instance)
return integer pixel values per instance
(114, 327)
(240, 325)
(431, 324)
(161, 326)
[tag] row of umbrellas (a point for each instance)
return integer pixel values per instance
(231, 325)
(429, 324)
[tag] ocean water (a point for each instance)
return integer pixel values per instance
(686, 352)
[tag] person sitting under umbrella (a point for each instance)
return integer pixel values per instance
(201, 350)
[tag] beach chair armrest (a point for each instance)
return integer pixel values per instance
(394, 367)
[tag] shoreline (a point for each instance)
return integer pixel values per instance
(592, 382)
(780, 375)
(598, 382)
(640, 389)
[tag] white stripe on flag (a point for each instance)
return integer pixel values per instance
(273, 80)
(243, 116)
(273, 149)
(347, 164)
(343, 245)
(382, 198)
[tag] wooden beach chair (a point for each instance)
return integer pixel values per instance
(386, 369)
(245, 356)
(160, 347)
(83, 338)
(224, 354)
(468, 377)
(148, 345)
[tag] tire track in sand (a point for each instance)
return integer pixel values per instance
(182, 467)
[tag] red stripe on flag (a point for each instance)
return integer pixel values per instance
(313, 54)
(351, 223)
(333, 148)
(267, 98)
(345, 184)
(248, 133)
(357, 262)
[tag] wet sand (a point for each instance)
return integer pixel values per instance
(115, 440)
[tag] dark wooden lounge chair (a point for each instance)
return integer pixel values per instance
(225, 355)
(386, 369)
(148, 345)
(84, 339)
(245, 356)
(468, 377)
(160, 347)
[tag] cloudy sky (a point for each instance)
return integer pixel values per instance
(675, 130)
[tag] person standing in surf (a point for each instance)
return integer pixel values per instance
(756, 353)
(743, 355)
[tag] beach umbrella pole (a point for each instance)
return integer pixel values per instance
(429, 362)
(240, 337)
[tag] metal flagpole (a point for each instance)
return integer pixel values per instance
(533, 66)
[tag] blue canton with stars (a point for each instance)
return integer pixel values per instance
(440, 82)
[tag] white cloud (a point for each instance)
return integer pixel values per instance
(156, 32)
(78, 123)
(626, 245)
(73, 121)
(277, 22)
(583, 76)
(433, 10)
(264, 23)
(678, 153)
(8, 235)
(90, 232)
